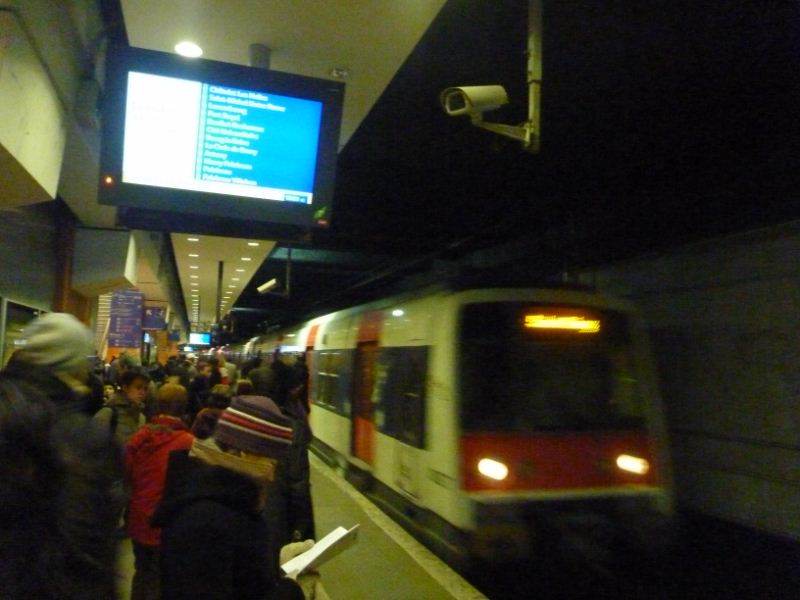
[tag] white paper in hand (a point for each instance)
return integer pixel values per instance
(325, 549)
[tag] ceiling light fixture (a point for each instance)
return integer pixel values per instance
(246, 258)
(194, 256)
(193, 239)
(267, 286)
(256, 244)
(188, 49)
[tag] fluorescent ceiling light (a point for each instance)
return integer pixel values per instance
(188, 49)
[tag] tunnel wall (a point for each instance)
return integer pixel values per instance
(725, 324)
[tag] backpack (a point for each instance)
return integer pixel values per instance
(112, 422)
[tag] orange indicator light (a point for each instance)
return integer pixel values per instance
(573, 323)
(108, 180)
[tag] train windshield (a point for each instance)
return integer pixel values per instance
(528, 367)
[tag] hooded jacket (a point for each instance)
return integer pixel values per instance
(128, 420)
(64, 391)
(57, 517)
(146, 457)
(214, 545)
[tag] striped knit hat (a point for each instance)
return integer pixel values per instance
(254, 424)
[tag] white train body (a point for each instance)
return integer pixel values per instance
(388, 385)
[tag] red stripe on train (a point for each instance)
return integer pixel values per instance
(550, 461)
(312, 336)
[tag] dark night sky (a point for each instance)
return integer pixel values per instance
(662, 122)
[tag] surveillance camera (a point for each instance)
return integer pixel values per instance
(473, 100)
(266, 287)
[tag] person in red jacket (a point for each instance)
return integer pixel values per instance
(146, 458)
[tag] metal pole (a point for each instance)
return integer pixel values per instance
(3, 314)
(288, 270)
(219, 292)
(534, 73)
(260, 56)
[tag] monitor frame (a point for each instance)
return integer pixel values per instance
(229, 211)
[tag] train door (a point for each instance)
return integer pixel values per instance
(407, 471)
(363, 431)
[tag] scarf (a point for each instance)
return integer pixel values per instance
(258, 468)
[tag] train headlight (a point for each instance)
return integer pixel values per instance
(633, 464)
(493, 469)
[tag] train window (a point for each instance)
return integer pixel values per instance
(517, 378)
(399, 393)
(332, 377)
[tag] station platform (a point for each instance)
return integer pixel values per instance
(386, 563)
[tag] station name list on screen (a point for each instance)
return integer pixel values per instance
(232, 135)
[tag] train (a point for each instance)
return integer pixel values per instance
(489, 421)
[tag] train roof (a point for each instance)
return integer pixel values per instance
(435, 281)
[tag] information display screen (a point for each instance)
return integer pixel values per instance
(195, 136)
(202, 138)
(200, 339)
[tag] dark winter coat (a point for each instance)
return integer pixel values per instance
(57, 510)
(199, 390)
(263, 379)
(67, 398)
(214, 544)
(289, 513)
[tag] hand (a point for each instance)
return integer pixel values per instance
(308, 582)
(289, 551)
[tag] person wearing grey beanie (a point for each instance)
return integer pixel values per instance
(58, 341)
(54, 356)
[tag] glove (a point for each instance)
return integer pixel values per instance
(289, 551)
(308, 582)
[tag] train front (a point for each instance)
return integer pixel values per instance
(562, 446)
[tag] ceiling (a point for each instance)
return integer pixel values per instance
(368, 38)
(213, 271)
(662, 123)
(365, 39)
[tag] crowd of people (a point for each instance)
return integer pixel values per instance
(205, 469)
